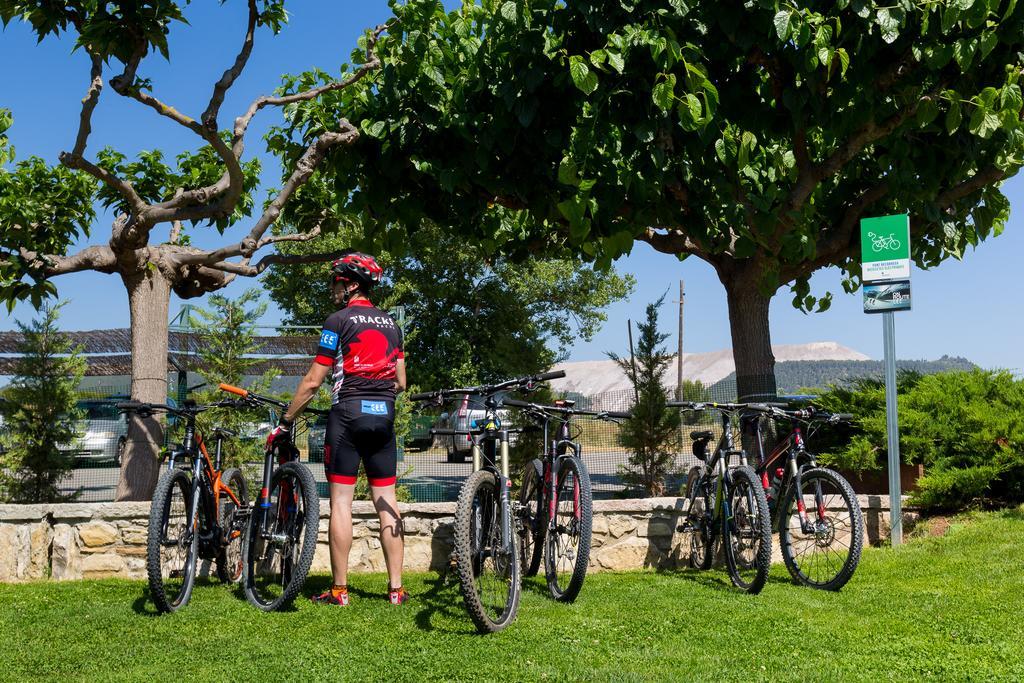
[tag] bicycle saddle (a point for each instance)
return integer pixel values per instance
(225, 432)
(701, 436)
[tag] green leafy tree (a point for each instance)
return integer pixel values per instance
(226, 344)
(754, 137)
(469, 317)
(40, 414)
(652, 432)
(45, 208)
(693, 390)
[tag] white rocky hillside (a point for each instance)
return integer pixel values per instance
(594, 377)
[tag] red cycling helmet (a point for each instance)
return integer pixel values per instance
(357, 267)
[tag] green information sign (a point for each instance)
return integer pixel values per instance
(885, 248)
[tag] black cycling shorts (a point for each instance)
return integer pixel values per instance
(361, 429)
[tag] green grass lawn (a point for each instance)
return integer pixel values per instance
(948, 608)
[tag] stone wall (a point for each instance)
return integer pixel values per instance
(98, 540)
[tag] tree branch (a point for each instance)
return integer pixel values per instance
(74, 161)
(185, 207)
(304, 169)
(209, 117)
(372, 62)
(232, 179)
(193, 257)
(980, 179)
(130, 91)
(813, 175)
(99, 258)
(92, 96)
(673, 242)
(176, 226)
(274, 259)
(841, 240)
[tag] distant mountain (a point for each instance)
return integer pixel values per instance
(795, 376)
(595, 377)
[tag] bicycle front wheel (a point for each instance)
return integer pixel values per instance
(825, 553)
(534, 519)
(281, 539)
(230, 561)
(748, 550)
(172, 544)
(489, 575)
(568, 544)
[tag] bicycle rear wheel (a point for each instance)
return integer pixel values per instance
(279, 545)
(489, 574)
(533, 517)
(698, 514)
(172, 544)
(568, 545)
(229, 556)
(826, 555)
(748, 550)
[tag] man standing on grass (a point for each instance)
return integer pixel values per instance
(361, 348)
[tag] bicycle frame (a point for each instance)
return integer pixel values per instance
(721, 513)
(556, 451)
(207, 483)
(494, 437)
(798, 459)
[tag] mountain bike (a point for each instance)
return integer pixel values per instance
(814, 508)
(280, 539)
(486, 524)
(196, 513)
(726, 504)
(555, 501)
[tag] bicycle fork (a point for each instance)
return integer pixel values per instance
(504, 487)
(807, 525)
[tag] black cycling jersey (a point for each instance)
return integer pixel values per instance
(362, 345)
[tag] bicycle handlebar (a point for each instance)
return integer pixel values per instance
(472, 432)
(488, 389)
(142, 407)
(519, 404)
(545, 376)
(266, 400)
(812, 414)
(566, 410)
(708, 405)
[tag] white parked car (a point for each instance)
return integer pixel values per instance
(469, 410)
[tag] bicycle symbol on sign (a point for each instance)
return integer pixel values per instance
(880, 243)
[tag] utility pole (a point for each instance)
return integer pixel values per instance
(679, 358)
(632, 362)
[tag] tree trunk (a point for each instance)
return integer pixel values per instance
(751, 340)
(149, 294)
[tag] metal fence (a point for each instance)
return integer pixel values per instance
(430, 469)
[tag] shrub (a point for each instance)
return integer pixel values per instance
(966, 427)
(652, 433)
(40, 414)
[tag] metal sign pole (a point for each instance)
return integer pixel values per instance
(893, 430)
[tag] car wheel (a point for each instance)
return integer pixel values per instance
(122, 443)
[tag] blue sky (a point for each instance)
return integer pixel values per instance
(971, 308)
